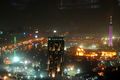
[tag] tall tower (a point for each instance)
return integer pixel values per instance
(55, 56)
(110, 42)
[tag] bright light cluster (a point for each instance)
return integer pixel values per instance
(108, 54)
(80, 52)
(71, 70)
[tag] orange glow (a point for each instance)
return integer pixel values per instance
(100, 73)
(53, 74)
(80, 52)
(29, 47)
(78, 49)
(58, 69)
(91, 54)
(108, 54)
(5, 78)
(10, 47)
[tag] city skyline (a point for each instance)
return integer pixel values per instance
(59, 39)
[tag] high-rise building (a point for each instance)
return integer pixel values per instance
(55, 56)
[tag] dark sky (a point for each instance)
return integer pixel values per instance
(47, 15)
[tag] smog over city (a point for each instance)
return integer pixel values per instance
(59, 39)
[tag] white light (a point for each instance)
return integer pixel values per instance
(78, 71)
(41, 75)
(21, 77)
(113, 37)
(1, 32)
(58, 69)
(94, 46)
(45, 45)
(35, 76)
(26, 68)
(9, 75)
(16, 59)
(81, 46)
(54, 31)
(104, 42)
(65, 70)
(26, 62)
(5, 77)
(36, 31)
(28, 77)
(65, 48)
(53, 74)
(24, 33)
(71, 68)
(106, 38)
(68, 69)
(36, 36)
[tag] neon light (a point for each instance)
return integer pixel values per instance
(110, 36)
(110, 43)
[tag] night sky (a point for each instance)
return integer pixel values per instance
(47, 15)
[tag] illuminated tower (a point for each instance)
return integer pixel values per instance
(110, 42)
(55, 56)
